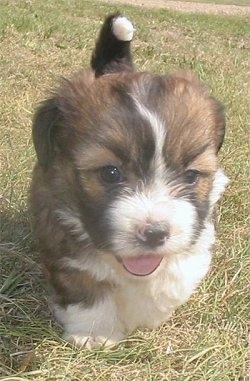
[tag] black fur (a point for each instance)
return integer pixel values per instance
(110, 54)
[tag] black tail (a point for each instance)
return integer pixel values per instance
(112, 50)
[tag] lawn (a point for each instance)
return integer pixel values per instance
(221, 2)
(206, 339)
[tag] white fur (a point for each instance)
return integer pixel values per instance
(158, 129)
(153, 204)
(142, 301)
(138, 302)
(90, 327)
(93, 264)
(219, 185)
(123, 29)
(155, 122)
(133, 301)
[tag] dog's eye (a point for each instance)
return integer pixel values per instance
(191, 176)
(110, 174)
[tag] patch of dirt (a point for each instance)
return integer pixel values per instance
(189, 6)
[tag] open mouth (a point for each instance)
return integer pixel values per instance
(142, 265)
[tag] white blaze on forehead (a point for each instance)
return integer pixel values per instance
(158, 129)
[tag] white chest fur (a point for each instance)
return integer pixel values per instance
(139, 302)
(149, 302)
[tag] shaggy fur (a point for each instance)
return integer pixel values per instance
(124, 191)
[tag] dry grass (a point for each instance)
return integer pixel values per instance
(207, 338)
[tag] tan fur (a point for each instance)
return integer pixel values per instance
(86, 107)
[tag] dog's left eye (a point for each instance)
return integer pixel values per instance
(111, 174)
(191, 176)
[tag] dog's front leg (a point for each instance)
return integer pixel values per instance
(91, 327)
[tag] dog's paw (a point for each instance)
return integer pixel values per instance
(89, 342)
(123, 28)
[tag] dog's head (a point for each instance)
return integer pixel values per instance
(133, 155)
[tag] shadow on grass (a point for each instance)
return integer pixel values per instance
(25, 319)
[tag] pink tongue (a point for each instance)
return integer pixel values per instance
(142, 265)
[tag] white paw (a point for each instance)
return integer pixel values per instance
(89, 342)
(123, 29)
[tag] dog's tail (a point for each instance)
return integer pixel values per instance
(112, 50)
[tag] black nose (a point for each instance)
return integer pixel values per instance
(152, 235)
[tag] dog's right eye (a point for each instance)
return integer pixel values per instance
(191, 176)
(110, 174)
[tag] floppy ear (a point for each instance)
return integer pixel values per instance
(112, 50)
(218, 109)
(43, 131)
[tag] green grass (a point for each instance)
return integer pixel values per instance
(221, 2)
(41, 40)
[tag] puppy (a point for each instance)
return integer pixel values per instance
(124, 191)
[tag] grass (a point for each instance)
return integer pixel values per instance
(221, 2)
(207, 338)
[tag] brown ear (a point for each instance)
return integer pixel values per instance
(43, 131)
(220, 123)
(218, 108)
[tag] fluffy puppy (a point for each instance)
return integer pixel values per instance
(124, 191)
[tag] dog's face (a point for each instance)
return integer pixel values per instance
(135, 157)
